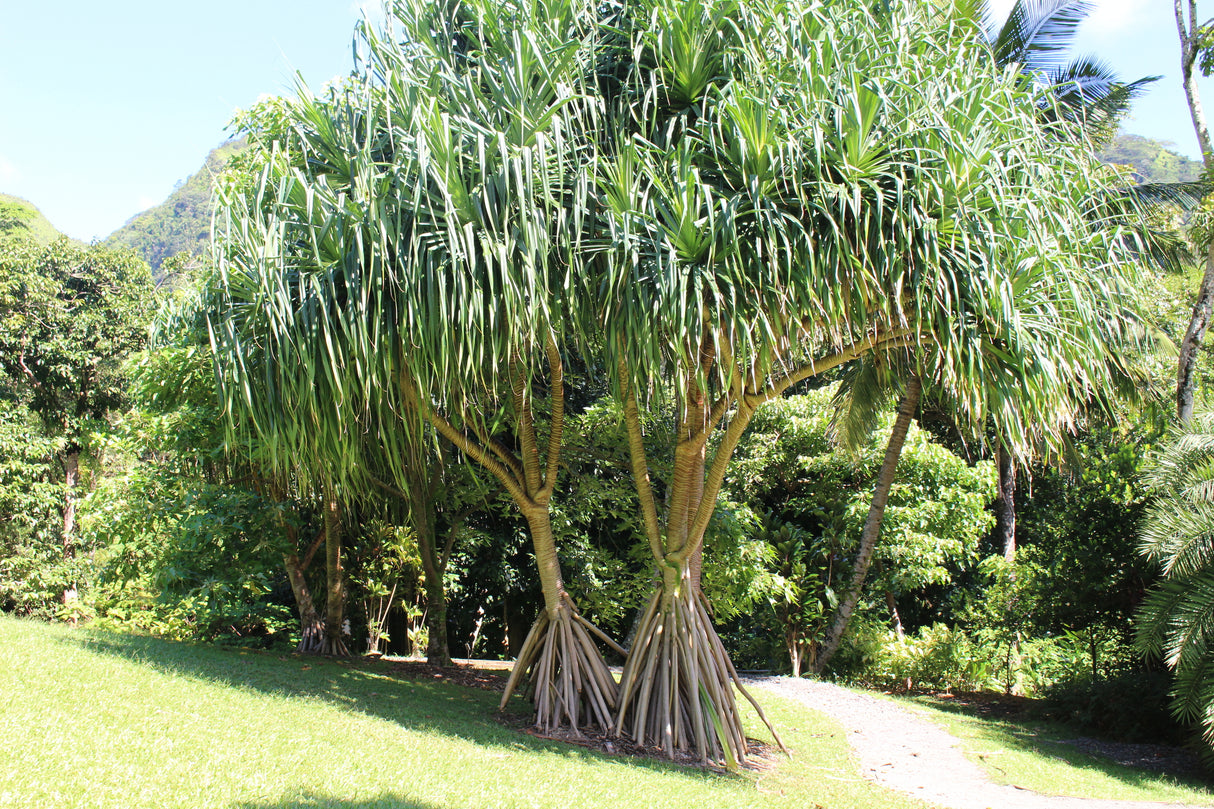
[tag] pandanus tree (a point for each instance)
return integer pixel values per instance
(786, 189)
(412, 262)
(284, 216)
(275, 405)
(490, 104)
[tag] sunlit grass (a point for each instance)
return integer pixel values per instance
(1030, 754)
(93, 719)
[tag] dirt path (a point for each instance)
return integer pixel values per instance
(904, 751)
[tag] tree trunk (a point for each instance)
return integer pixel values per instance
(434, 567)
(872, 526)
(1186, 367)
(793, 644)
(568, 680)
(567, 677)
(891, 603)
(1186, 374)
(677, 688)
(438, 650)
(71, 470)
(311, 627)
(1005, 504)
(335, 595)
(71, 473)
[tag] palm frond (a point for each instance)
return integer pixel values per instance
(1037, 33)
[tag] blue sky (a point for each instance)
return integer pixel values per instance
(107, 105)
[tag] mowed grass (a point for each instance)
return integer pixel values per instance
(1031, 754)
(96, 719)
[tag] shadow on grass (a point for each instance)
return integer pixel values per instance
(366, 687)
(314, 801)
(1045, 739)
(310, 800)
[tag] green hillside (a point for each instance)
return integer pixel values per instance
(21, 220)
(180, 224)
(1152, 161)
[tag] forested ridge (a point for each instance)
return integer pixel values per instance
(542, 337)
(182, 223)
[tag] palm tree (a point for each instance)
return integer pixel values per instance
(1177, 617)
(1035, 40)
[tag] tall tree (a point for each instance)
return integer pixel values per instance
(1035, 41)
(1195, 44)
(69, 315)
(764, 178)
(412, 254)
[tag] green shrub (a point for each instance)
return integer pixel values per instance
(1131, 707)
(935, 657)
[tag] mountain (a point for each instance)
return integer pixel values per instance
(1152, 161)
(180, 224)
(21, 220)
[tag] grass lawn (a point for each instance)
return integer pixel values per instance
(96, 719)
(1029, 754)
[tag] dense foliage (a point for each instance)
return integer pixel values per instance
(1177, 617)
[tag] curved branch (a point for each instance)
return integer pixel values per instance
(472, 449)
(747, 407)
(899, 338)
(556, 429)
(640, 466)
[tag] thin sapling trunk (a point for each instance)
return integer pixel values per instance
(872, 527)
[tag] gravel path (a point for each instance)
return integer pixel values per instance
(901, 750)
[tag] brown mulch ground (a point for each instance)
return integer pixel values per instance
(462, 673)
(492, 675)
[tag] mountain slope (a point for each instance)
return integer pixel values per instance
(20, 220)
(180, 224)
(1152, 161)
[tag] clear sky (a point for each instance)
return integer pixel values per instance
(105, 106)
